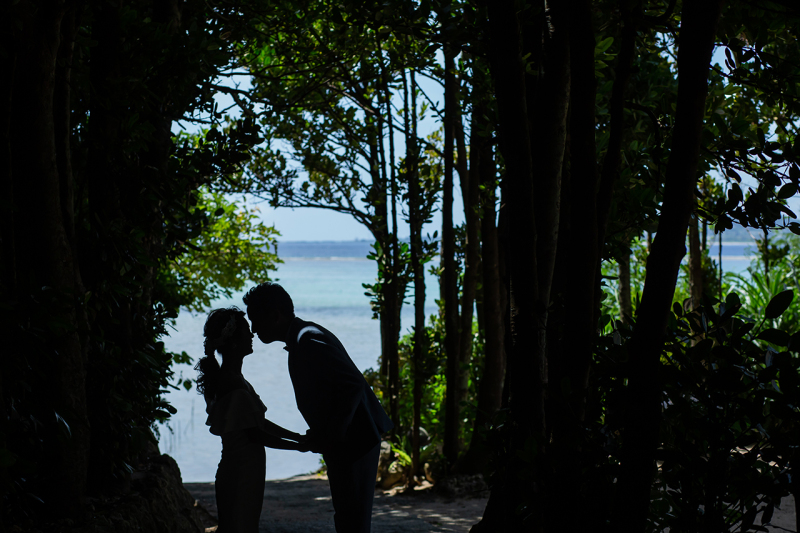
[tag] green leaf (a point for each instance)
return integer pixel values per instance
(779, 303)
(787, 191)
(603, 45)
(775, 336)
(731, 88)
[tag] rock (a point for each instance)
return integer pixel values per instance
(394, 475)
(384, 460)
(462, 486)
(157, 503)
(429, 473)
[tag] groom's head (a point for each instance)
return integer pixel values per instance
(270, 310)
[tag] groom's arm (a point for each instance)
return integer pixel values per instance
(278, 431)
(273, 441)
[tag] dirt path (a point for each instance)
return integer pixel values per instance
(302, 504)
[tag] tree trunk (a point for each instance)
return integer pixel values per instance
(8, 270)
(630, 13)
(470, 191)
(695, 265)
(526, 370)
(396, 266)
(105, 211)
(642, 418)
(49, 261)
(415, 223)
(449, 274)
(573, 334)
(624, 288)
(490, 391)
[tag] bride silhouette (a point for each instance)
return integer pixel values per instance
(236, 413)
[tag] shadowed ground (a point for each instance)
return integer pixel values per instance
(302, 504)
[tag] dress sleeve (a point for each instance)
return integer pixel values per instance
(238, 409)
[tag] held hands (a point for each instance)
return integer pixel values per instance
(312, 442)
(302, 443)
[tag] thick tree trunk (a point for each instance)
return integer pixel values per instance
(449, 274)
(8, 270)
(642, 419)
(548, 113)
(526, 371)
(584, 253)
(106, 215)
(573, 331)
(49, 261)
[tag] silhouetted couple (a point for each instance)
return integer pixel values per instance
(344, 417)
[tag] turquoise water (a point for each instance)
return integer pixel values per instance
(324, 280)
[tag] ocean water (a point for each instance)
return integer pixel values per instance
(324, 280)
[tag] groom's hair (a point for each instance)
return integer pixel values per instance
(269, 296)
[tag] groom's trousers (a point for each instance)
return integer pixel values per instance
(352, 484)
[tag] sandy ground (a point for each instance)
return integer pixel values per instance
(302, 504)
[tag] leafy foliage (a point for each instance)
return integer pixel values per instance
(232, 250)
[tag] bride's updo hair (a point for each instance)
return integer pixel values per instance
(221, 326)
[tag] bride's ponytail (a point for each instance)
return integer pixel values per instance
(208, 370)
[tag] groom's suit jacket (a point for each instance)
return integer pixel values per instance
(331, 393)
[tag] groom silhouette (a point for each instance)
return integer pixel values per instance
(344, 417)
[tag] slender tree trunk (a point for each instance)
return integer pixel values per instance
(765, 254)
(643, 416)
(415, 223)
(719, 255)
(704, 234)
(379, 230)
(395, 283)
(470, 190)
(695, 265)
(631, 13)
(449, 274)
(388, 289)
(625, 307)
